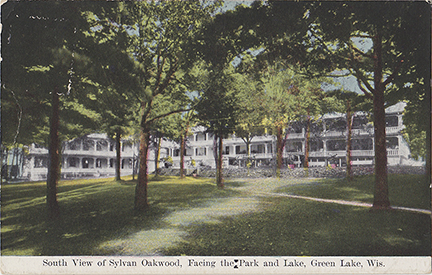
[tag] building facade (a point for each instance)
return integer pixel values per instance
(94, 155)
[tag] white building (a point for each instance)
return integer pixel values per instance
(94, 155)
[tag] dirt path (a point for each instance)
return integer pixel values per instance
(151, 242)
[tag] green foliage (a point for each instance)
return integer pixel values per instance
(28, 79)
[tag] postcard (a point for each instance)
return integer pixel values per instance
(215, 137)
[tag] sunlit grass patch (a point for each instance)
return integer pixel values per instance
(300, 228)
(404, 190)
(92, 212)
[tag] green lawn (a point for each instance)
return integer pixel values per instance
(300, 227)
(404, 190)
(95, 212)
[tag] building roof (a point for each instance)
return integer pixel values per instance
(397, 108)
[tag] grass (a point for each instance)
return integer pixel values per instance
(99, 213)
(404, 190)
(304, 228)
(299, 227)
(93, 211)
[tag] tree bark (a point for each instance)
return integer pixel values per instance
(307, 145)
(141, 201)
(182, 149)
(219, 176)
(381, 198)
(215, 150)
(157, 156)
(279, 151)
(349, 142)
(118, 154)
(54, 159)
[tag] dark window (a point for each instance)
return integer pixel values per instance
(88, 145)
(102, 145)
(391, 121)
(87, 163)
(41, 162)
(73, 162)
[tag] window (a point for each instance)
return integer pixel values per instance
(74, 145)
(257, 149)
(391, 121)
(240, 149)
(102, 145)
(41, 162)
(111, 163)
(392, 143)
(316, 145)
(73, 162)
(336, 145)
(111, 146)
(362, 144)
(126, 163)
(201, 151)
(88, 145)
(293, 146)
(87, 163)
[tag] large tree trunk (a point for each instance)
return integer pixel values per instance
(307, 146)
(182, 149)
(215, 149)
(381, 198)
(349, 142)
(279, 151)
(118, 154)
(54, 159)
(157, 155)
(219, 176)
(141, 202)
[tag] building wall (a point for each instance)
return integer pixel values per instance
(94, 155)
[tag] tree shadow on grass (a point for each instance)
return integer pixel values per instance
(289, 227)
(90, 216)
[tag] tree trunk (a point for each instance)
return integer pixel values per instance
(349, 142)
(182, 149)
(141, 202)
(219, 176)
(54, 161)
(118, 154)
(307, 147)
(279, 151)
(157, 156)
(215, 150)
(381, 198)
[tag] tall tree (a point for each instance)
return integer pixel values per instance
(217, 110)
(349, 103)
(110, 83)
(287, 96)
(40, 50)
(373, 42)
(161, 31)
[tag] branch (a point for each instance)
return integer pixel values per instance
(167, 114)
(367, 94)
(360, 76)
(360, 52)
(168, 78)
(391, 77)
(363, 36)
